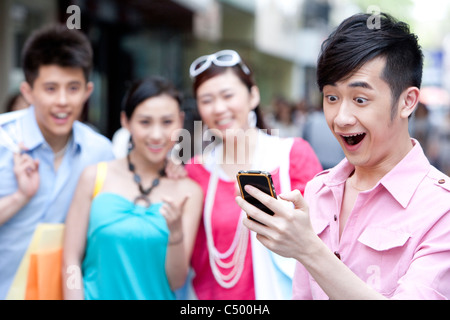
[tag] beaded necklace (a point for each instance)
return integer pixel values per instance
(237, 249)
(144, 192)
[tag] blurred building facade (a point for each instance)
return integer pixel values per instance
(280, 40)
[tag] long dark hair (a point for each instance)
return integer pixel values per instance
(246, 79)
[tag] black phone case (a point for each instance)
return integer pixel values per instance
(258, 179)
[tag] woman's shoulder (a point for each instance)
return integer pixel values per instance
(183, 187)
(195, 167)
(197, 160)
(89, 173)
(303, 160)
(116, 165)
(302, 149)
(300, 144)
(106, 168)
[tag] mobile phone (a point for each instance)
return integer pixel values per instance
(261, 180)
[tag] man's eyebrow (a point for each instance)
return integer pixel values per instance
(360, 84)
(57, 83)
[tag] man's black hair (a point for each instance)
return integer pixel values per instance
(56, 45)
(354, 43)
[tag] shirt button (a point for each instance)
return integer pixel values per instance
(337, 255)
(441, 181)
(335, 217)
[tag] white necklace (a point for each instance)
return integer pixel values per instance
(237, 249)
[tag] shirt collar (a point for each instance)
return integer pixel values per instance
(32, 135)
(401, 182)
(77, 137)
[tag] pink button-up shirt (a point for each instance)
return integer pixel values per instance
(397, 237)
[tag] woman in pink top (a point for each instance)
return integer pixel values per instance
(227, 261)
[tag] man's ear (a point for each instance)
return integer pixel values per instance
(409, 101)
(26, 91)
(89, 90)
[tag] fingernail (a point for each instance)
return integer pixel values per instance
(249, 187)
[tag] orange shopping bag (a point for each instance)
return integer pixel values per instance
(39, 274)
(44, 275)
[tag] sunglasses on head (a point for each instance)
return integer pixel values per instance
(224, 58)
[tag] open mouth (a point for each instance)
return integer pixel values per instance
(353, 139)
(61, 115)
(155, 147)
(224, 123)
(60, 118)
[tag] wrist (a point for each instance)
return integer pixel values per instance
(20, 199)
(176, 238)
(313, 252)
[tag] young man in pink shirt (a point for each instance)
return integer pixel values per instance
(378, 224)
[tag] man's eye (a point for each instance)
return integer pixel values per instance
(331, 98)
(361, 100)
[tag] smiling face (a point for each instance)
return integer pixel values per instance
(58, 95)
(224, 102)
(358, 112)
(152, 124)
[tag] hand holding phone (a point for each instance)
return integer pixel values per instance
(261, 180)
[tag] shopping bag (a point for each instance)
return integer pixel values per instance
(44, 276)
(39, 273)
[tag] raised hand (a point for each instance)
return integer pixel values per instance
(172, 211)
(26, 170)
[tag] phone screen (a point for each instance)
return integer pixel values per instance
(259, 180)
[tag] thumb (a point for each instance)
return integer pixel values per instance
(183, 202)
(296, 198)
(174, 204)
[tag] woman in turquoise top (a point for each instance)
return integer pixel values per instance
(130, 229)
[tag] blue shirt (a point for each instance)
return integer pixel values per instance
(54, 196)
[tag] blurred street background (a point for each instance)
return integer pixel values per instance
(279, 39)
